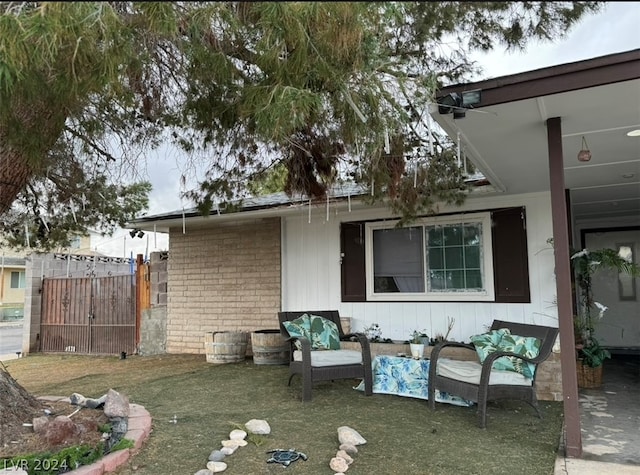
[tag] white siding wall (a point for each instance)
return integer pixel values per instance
(311, 274)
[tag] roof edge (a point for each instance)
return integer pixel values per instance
(599, 71)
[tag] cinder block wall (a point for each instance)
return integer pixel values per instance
(223, 278)
(153, 324)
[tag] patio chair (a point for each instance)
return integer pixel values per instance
(477, 381)
(326, 365)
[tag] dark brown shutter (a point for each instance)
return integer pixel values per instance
(352, 262)
(510, 262)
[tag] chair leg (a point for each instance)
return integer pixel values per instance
(307, 384)
(533, 402)
(482, 408)
(368, 383)
(482, 416)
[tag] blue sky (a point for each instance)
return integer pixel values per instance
(613, 30)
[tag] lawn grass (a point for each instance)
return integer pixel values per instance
(209, 400)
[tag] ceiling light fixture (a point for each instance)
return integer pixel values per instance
(584, 155)
(634, 133)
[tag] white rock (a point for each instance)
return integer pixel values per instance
(204, 471)
(345, 456)
(234, 443)
(217, 467)
(237, 434)
(258, 426)
(348, 448)
(228, 450)
(347, 435)
(338, 464)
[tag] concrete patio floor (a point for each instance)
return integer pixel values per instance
(610, 422)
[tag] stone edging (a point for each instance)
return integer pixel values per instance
(139, 428)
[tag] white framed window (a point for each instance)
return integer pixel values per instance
(437, 258)
(74, 242)
(18, 280)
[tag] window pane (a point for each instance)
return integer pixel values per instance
(472, 257)
(474, 279)
(455, 279)
(455, 257)
(471, 235)
(398, 260)
(436, 236)
(436, 258)
(18, 280)
(452, 235)
(436, 280)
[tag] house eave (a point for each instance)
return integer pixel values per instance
(609, 69)
(193, 218)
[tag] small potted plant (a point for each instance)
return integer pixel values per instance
(417, 343)
(374, 334)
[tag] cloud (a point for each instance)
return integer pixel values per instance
(613, 30)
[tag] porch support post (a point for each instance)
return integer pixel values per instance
(573, 441)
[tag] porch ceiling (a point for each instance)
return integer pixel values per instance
(506, 137)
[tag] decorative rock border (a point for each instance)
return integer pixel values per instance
(139, 428)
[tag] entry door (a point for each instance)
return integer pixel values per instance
(620, 325)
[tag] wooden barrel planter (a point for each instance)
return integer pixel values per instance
(225, 347)
(269, 348)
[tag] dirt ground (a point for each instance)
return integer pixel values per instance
(19, 439)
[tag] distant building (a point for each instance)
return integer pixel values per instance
(12, 275)
(12, 284)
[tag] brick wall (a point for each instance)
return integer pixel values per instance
(223, 278)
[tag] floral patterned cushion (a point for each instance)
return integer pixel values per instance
(322, 333)
(503, 340)
(299, 328)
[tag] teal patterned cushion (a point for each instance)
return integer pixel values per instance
(299, 328)
(503, 340)
(324, 334)
(487, 343)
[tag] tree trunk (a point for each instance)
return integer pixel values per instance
(15, 173)
(17, 406)
(23, 152)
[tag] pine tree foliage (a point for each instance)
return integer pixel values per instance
(330, 90)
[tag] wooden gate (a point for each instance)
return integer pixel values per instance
(90, 315)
